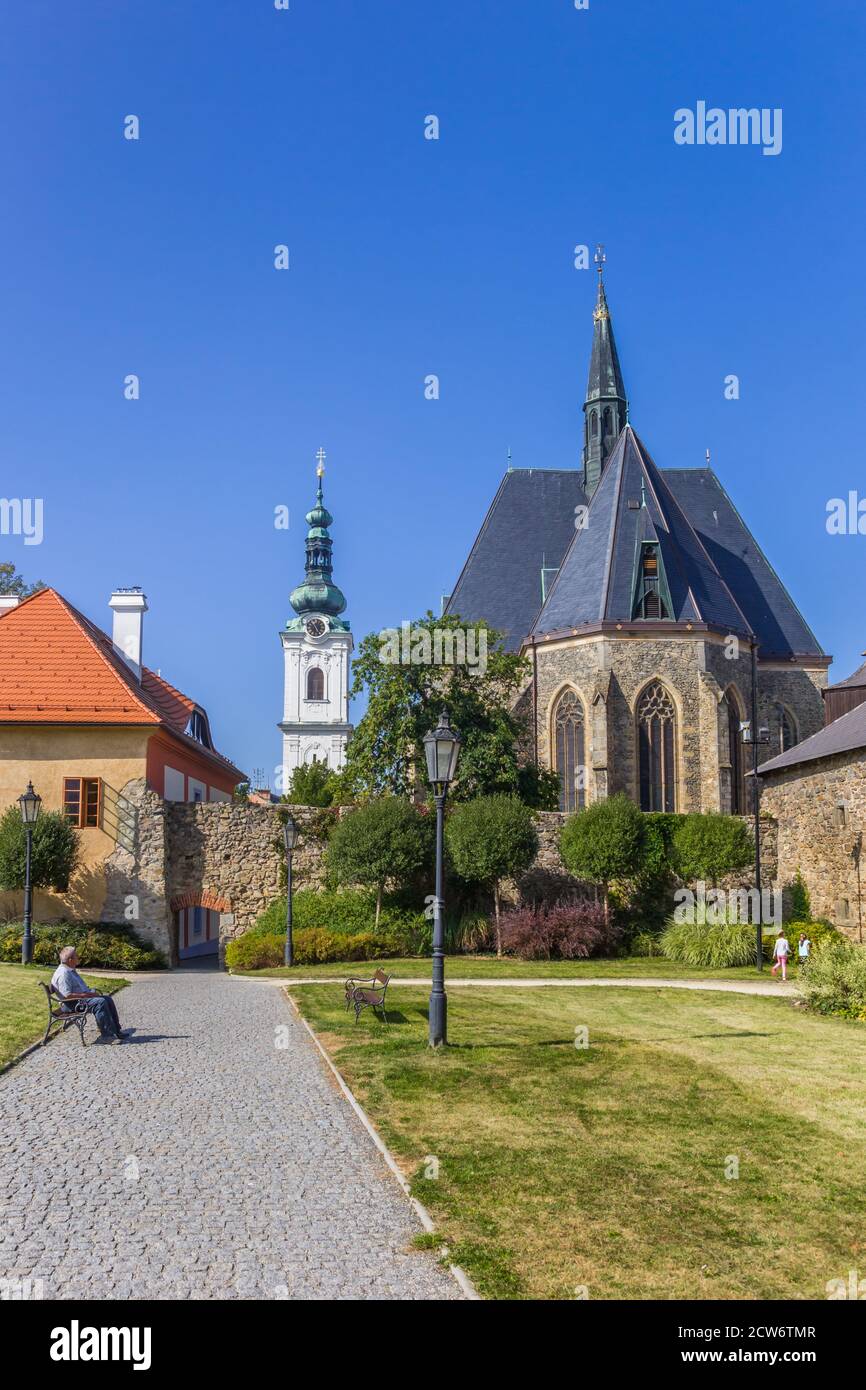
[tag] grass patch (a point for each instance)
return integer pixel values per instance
(605, 1167)
(488, 967)
(23, 1012)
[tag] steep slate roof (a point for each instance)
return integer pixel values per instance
(532, 515)
(769, 609)
(844, 735)
(530, 523)
(57, 667)
(596, 581)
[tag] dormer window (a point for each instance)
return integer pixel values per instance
(650, 602)
(196, 728)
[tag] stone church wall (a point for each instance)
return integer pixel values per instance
(609, 674)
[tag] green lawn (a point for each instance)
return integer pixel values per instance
(605, 1167)
(488, 967)
(23, 1011)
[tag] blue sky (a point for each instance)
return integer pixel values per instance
(409, 257)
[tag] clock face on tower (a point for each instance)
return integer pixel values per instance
(316, 627)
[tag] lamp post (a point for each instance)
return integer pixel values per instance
(755, 736)
(30, 805)
(290, 836)
(441, 749)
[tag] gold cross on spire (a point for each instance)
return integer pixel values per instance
(320, 462)
(600, 310)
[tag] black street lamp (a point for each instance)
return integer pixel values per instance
(290, 836)
(30, 805)
(756, 736)
(441, 749)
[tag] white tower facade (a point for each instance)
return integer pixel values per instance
(315, 721)
(317, 649)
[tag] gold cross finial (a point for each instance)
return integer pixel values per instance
(320, 462)
(600, 310)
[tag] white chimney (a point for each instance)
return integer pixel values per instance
(129, 607)
(8, 601)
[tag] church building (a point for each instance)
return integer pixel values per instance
(644, 605)
(317, 646)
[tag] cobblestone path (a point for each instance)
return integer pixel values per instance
(199, 1160)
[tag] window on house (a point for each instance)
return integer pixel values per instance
(315, 683)
(840, 816)
(569, 751)
(650, 603)
(82, 801)
(842, 909)
(197, 728)
(657, 741)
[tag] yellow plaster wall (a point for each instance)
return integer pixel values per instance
(45, 754)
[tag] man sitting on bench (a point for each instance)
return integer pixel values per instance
(73, 990)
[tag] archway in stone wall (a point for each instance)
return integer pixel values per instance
(199, 921)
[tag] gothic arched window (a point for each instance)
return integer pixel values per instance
(568, 730)
(788, 735)
(594, 424)
(315, 683)
(607, 418)
(657, 742)
(735, 757)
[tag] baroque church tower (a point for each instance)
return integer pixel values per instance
(317, 645)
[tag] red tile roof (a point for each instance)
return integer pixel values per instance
(57, 667)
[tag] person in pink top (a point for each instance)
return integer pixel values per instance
(781, 951)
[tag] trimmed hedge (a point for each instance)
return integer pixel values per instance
(346, 913)
(312, 946)
(100, 944)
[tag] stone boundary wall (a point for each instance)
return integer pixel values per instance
(821, 811)
(229, 857)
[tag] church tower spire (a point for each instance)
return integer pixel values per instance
(318, 593)
(317, 645)
(605, 408)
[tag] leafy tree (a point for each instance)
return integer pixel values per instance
(312, 784)
(13, 583)
(538, 787)
(54, 856)
(708, 845)
(800, 902)
(386, 838)
(241, 793)
(405, 698)
(489, 839)
(604, 842)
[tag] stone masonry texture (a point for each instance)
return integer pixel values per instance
(820, 808)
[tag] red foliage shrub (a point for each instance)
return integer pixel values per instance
(571, 930)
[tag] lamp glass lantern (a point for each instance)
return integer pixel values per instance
(290, 833)
(31, 804)
(442, 749)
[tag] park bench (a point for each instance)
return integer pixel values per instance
(368, 994)
(65, 1018)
